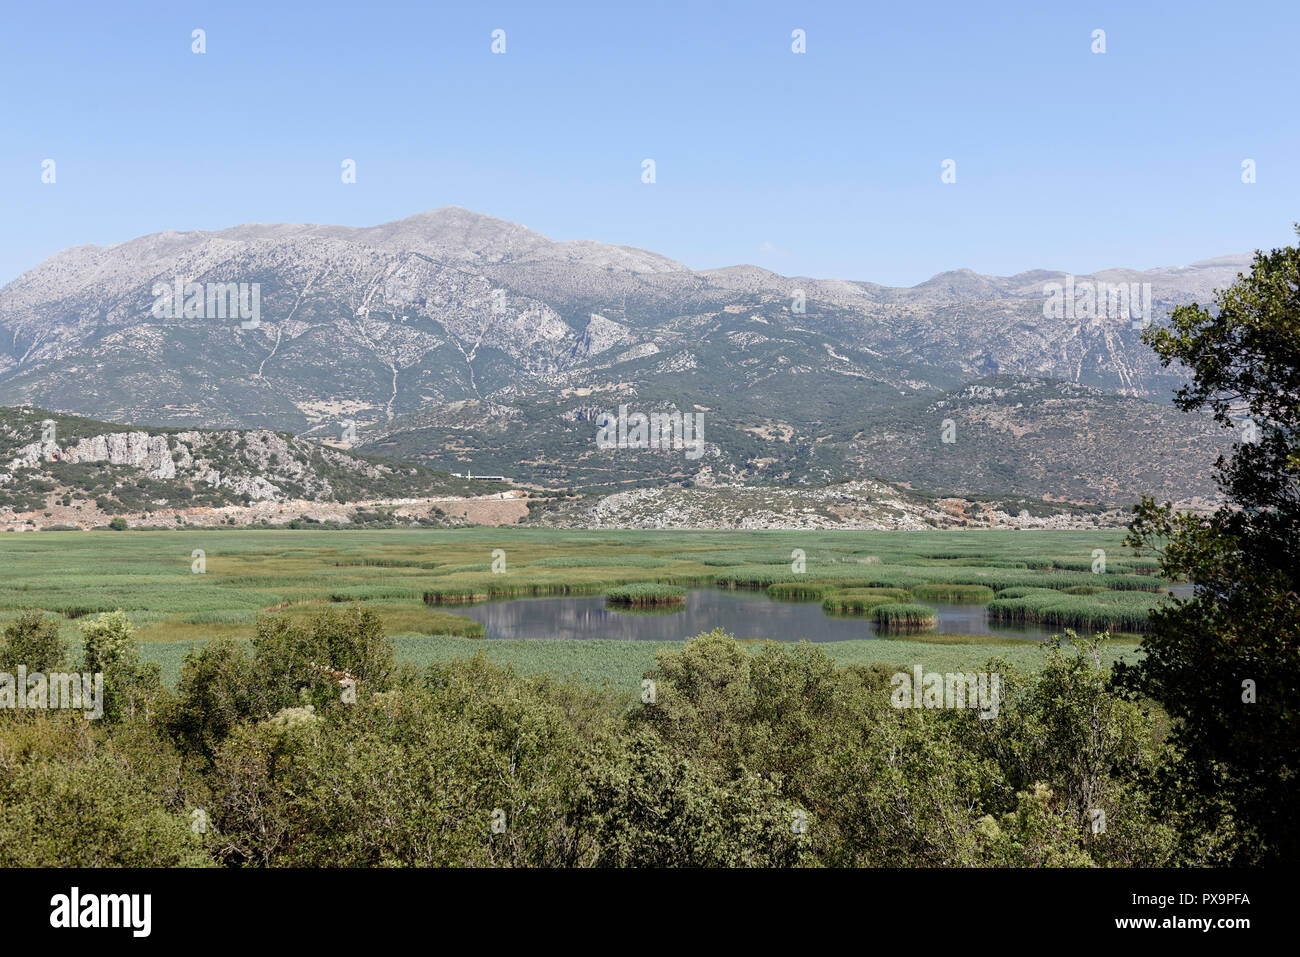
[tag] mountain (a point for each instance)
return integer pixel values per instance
(86, 471)
(1045, 437)
(472, 344)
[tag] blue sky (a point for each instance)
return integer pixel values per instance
(824, 164)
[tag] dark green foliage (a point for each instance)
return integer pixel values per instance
(131, 688)
(32, 639)
(305, 661)
(220, 687)
(651, 808)
(73, 796)
(1226, 663)
(732, 757)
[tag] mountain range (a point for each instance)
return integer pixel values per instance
(470, 344)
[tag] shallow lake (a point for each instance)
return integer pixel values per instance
(742, 614)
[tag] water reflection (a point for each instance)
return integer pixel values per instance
(742, 614)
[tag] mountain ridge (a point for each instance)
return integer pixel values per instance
(359, 327)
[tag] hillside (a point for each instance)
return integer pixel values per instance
(1034, 437)
(864, 504)
(59, 471)
(1050, 438)
(83, 467)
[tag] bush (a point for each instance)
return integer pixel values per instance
(219, 689)
(33, 640)
(110, 647)
(79, 800)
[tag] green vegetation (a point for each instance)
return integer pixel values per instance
(32, 640)
(282, 739)
(855, 601)
(896, 616)
(952, 593)
(1225, 664)
(1126, 611)
(413, 578)
(620, 664)
(798, 591)
(646, 594)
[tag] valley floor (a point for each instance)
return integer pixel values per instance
(183, 587)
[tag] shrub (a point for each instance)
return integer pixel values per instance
(110, 647)
(33, 640)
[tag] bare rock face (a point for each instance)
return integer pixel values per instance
(30, 455)
(253, 486)
(65, 470)
(149, 453)
(600, 335)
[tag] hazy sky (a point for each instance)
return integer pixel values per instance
(825, 163)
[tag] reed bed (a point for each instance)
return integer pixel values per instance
(646, 593)
(405, 573)
(598, 561)
(857, 601)
(1107, 611)
(976, 594)
(912, 576)
(904, 617)
(799, 591)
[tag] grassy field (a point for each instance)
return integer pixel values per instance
(621, 664)
(181, 587)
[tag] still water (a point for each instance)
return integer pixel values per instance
(742, 614)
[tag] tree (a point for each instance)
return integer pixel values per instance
(298, 662)
(1226, 663)
(219, 689)
(468, 765)
(33, 640)
(111, 648)
(654, 807)
(1079, 759)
